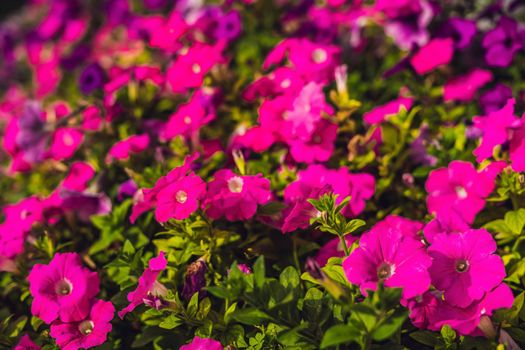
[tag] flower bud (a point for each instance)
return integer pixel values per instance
(195, 279)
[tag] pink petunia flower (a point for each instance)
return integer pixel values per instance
(199, 343)
(86, 333)
(65, 143)
(131, 145)
(62, 289)
(436, 53)
(466, 320)
(464, 265)
(79, 175)
(26, 343)
(387, 254)
(463, 88)
(459, 190)
(180, 198)
(502, 127)
(179, 201)
(431, 312)
(379, 113)
(148, 284)
(495, 127)
(319, 147)
(24, 213)
(235, 196)
(189, 69)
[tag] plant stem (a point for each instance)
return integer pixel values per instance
(343, 242)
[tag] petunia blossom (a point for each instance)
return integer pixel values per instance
(88, 332)
(463, 88)
(235, 197)
(464, 265)
(385, 254)
(460, 189)
(436, 53)
(199, 343)
(148, 285)
(62, 289)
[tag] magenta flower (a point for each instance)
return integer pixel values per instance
(459, 190)
(379, 113)
(359, 186)
(86, 333)
(178, 198)
(199, 343)
(24, 213)
(386, 254)
(26, 343)
(188, 69)
(436, 53)
(133, 144)
(12, 239)
(410, 228)
(319, 147)
(464, 88)
(308, 108)
(464, 265)
(189, 118)
(502, 43)
(79, 175)
(499, 128)
(65, 143)
(432, 312)
(452, 222)
(495, 127)
(235, 196)
(148, 285)
(62, 289)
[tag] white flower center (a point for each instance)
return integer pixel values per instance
(64, 287)
(319, 55)
(68, 140)
(196, 68)
(86, 327)
(286, 83)
(24, 214)
(235, 184)
(187, 120)
(461, 192)
(181, 197)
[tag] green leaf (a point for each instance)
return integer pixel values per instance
(448, 334)
(387, 328)
(170, 322)
(251, 316)
(193, 305)
(515, 220)
(259, 272)
(339, 334)
(15, 327)
(289, 277)
(425, 337)
(353, 225)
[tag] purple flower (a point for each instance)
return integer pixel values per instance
(195, 279)
(502, 43)
(32, 137)
(495, 98)
(407, 21)
(92, 78)
(85, 204)
(229, 26)
(460, 30)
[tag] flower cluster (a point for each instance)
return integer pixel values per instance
(184, 159)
